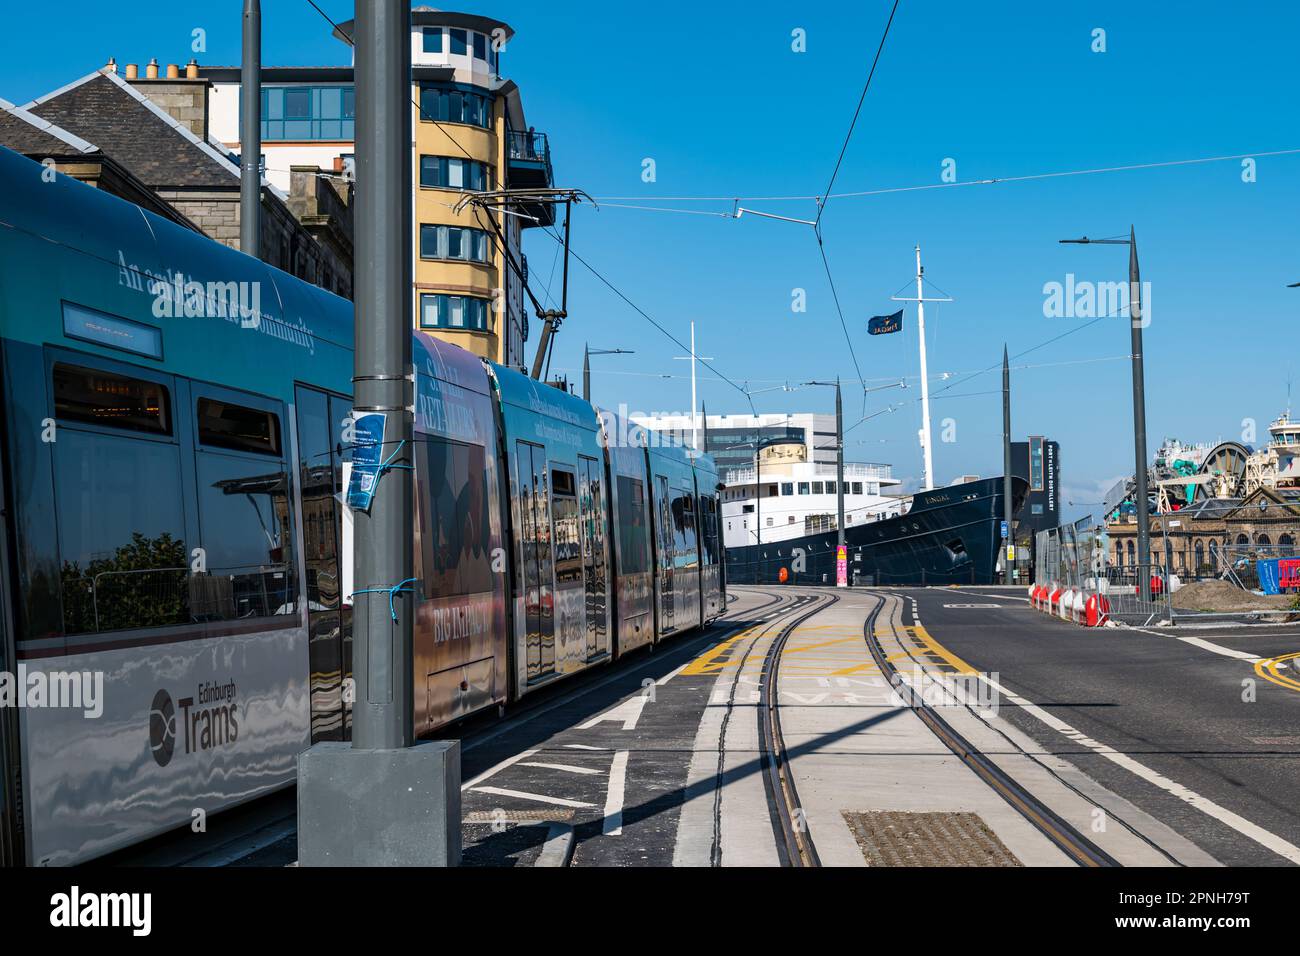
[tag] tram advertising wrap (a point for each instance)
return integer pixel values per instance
(173, 501)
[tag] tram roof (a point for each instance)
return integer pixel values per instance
(539, 398)
(450, 363)
(69, 213)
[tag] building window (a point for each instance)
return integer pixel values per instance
(455, 242)
(453, 312)
(433, 39)
(452, 104)
(459, 39)
(857, 487)
(830, 487)
(787, 487)
(480, 47)
(448, 172)
(803, 487)
(308, 113)
(817, 487)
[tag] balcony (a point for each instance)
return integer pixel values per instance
(528, 155)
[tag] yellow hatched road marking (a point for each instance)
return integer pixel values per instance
(1268, 669)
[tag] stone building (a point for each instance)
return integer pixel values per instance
(1208, 534)
(155, 129)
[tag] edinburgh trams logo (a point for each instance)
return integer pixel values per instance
(208, 720)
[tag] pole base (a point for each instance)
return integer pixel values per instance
(379, 807)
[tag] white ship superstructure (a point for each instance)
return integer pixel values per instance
(783, 497)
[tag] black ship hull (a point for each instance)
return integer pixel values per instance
(950, 536)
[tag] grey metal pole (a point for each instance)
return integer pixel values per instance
(1006, 462)
(250, 133)
(1139, 419)
(382, 718)
(586, 373)
(839, 482)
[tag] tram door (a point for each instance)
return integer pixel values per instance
(535, 548)
(664, 513)
(591, 499)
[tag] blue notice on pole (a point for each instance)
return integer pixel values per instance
(367, 456)
(1004, 531)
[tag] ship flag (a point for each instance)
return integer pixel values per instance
(885, 324)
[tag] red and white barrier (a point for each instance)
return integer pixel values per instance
(1083, 606)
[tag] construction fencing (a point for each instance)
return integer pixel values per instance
(1074, 556)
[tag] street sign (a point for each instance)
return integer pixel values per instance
(1011, 552)
(1005, 531)
(841, 567)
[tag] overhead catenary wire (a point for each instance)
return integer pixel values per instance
(988, 181)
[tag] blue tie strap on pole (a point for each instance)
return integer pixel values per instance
(392, 594)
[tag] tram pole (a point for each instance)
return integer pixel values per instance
(250, 133)
(382, 801)
(1010, 539)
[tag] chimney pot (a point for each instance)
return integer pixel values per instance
(132, 71)
(173, 71)
(151, 71)
(111, 67)
(192, 70)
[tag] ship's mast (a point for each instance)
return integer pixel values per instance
(925, 378)
(920, 301)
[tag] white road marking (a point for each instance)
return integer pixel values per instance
(1207, 646)
(567, 768)
(555, 851)
(614, 799)
(629, 712)
(1264, 838)
(671, 674)
(581, 747)
(538, 797)
(499, 767)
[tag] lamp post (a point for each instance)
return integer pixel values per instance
(1139, 406)
(586, 366)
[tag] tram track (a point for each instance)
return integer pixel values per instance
(1042, 817)
(793, 842)
(795, 846)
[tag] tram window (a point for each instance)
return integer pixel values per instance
(245, 529)
(226, 425)
(98, 397)
(121, 531)
(562, 483)
(567, 541)
(634, 550)
(454, 522)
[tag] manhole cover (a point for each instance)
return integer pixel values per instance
(896, 838)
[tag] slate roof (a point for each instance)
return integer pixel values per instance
(124, 124)
(26, 133)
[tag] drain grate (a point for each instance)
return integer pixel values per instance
(896, 838)
(558, 815)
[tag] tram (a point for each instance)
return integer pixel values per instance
(174, 622)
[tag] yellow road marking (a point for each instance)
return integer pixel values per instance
(812, 647)
(1268, 669)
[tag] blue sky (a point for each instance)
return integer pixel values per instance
(715, 95)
